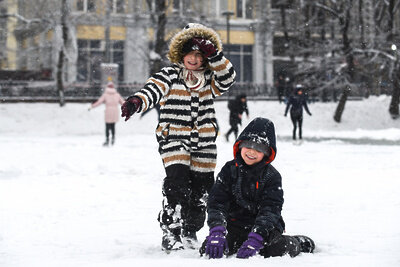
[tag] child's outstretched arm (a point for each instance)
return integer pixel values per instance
(149, 96)
(155, 88)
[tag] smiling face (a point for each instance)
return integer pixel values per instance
(251, 156)
(193, 60)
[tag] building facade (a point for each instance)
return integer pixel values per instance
(125, 28)
(123, 32)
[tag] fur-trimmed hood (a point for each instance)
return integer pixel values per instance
(191, 30)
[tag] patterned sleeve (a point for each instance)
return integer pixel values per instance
(223, 72)
(155, 88)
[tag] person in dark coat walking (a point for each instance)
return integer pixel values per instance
(280, 87)
(296, 103)
(236, 108)
(245, 203)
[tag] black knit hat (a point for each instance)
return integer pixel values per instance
(257, 146)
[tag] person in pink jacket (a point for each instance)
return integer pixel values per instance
(111, 98)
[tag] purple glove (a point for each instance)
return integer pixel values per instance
(205, 46)
(216, 242)
(130, 106)
(251, 246)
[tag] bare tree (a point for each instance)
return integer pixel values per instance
(344, 16)
(65, 11)
(393, 8)
(383, 55)
(159, 19)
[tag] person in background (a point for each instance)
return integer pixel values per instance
(296, 103)
(280, 87)
(112, 99)
(187, 128)
(245, 203)
(236, 108)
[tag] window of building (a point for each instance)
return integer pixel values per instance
(3, 34)
(80, 5)
(282, 3)
(176, 5)
(143, 6)
(182, 7)
(222, 6)
(242, 60)
(244, 9)
(117, 56)
(86, 5)
(280, 46)
(119, 6)
(91, 54)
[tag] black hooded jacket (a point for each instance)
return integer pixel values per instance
(296, 103)
(236, 107)
(249, 197)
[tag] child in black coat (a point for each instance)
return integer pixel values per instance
(245, 203)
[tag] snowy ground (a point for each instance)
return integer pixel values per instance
(67, 201)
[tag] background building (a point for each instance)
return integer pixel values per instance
(326, 44)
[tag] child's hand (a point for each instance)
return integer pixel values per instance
(251, 246)
(130, 106)
(205, 46)
(216, 242)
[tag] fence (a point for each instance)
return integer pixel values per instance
(21, 91)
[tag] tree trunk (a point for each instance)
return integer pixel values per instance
(60, 84)
(347, 50)
(161, 6)
(394, 103)
(60, 65)
(340, 107)
(107, 56)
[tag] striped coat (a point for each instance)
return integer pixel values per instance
(187, 128)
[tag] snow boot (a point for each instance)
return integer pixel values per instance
(105, 143)
(281, 246)
(112, 140)
(171, 241)
(307, 245)
(189, 239)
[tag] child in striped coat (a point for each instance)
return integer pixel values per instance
(187, 127)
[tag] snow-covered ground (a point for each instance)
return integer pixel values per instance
(67, 201)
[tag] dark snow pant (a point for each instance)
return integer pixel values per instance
(234, 121)
(185, 197)
(275, 245)
(110, 127)
(297, 121)
(234, 129)
(281, 92)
